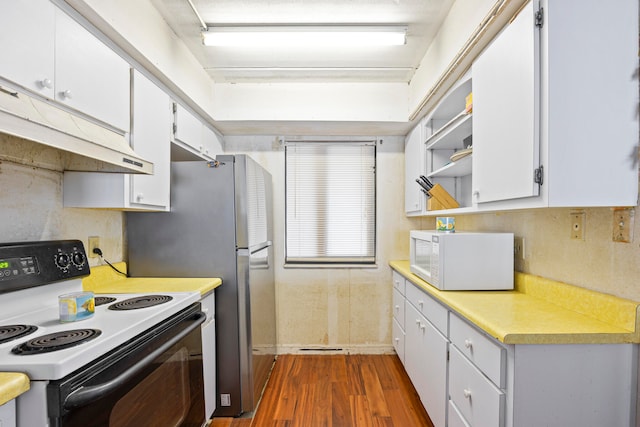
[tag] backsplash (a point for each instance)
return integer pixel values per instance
(32, 208)
(596, 263)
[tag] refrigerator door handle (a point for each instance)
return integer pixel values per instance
(260, 246)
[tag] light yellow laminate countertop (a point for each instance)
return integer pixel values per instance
(12, 385)
(540, 311)
(104, 280)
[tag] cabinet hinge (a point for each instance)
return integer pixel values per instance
(175, 128)
(447, 355)
(538, 174)
(175, 108)
(539, 18)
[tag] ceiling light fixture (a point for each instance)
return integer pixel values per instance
(306, 35)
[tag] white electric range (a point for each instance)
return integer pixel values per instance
(88, 366)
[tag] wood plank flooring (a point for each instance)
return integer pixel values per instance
(336, 391)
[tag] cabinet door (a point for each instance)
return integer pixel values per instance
(151, 139)
(212, 145)
(426, 363)
(90, 77)
(188, 129)
(413, 168)
(506, 123)
(27, 44)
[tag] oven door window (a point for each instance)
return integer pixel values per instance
(165, 389)
(168, 387)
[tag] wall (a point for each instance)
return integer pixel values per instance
(346, 308)
(31, 208)
(596, 262)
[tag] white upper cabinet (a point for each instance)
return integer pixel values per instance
(413, 168)
(49, 53)
(151, 139)
(90, 77)
(27, 35)
(193, 135)
(151, 128)
(506, 101)
(555, 119)
(552, 93)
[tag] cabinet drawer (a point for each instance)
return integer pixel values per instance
(432, 310)
(398, 307)
(455, 417)
(480, 402)
(486, 354)
(398, 282)
(398, 340)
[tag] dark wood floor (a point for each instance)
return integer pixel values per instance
(336, 391)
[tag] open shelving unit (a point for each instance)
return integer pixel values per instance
(449, 130)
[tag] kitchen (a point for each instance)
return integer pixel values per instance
(328, 310)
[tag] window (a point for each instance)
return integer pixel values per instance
(330, 196)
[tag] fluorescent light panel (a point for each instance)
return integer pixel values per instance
(305, 35)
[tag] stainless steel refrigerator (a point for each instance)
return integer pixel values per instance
(220, 225)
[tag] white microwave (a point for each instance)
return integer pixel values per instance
(463, 260)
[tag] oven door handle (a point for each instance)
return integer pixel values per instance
(85, 395)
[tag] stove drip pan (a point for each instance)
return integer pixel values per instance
(103, 300)
(56, 341)
(140, 302)
(12, 332)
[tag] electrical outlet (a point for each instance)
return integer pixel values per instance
(623, 224)
(577, 225)
(94, 242)
(518, 248)
(225, 399)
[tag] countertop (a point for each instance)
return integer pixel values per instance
(540, 311)
(12, 384)
(105, 280)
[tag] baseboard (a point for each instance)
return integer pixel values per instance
(335, 349)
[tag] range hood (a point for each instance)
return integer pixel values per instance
(91, 147)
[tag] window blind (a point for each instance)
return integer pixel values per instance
(330, 196)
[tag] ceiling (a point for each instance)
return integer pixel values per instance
(236, 65)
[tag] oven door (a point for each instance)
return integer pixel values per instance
(153, 380)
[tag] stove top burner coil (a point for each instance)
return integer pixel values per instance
(140, 302)
(56, 341)
(12, 332)
(103, 300)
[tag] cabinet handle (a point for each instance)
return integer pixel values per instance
(66, 94)
(139, 198)
(418, 322)
(420, 303)
(476, 193)
(397, 308)
(397, 339)
(467, 393)
(423, 326)
(46, 83)
(468, 343)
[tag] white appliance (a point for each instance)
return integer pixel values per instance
(462, 260)
(97, 367)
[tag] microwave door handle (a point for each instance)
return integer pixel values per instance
(85, 395)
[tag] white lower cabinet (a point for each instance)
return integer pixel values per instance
(398, 323)
(426, 363)
(8, 414)
(466, 378)
(209, 354)
(480, 402)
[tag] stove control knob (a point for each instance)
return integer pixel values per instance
(63, 261)
(78, 259)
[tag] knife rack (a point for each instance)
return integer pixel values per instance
(440, 199)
